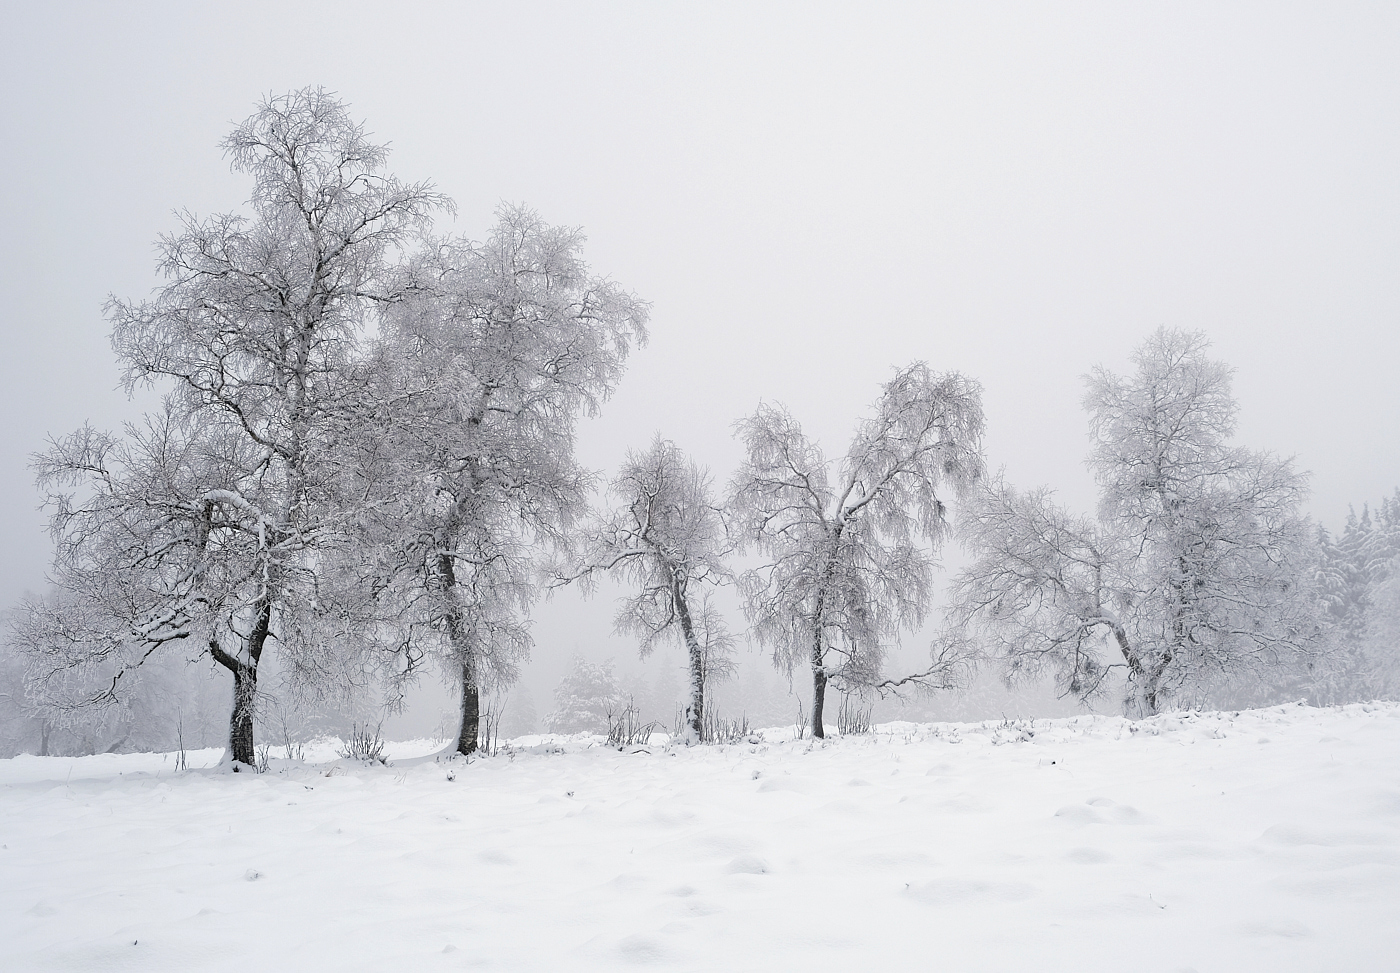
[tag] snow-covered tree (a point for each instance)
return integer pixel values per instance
(666, 539)
(1382, 645)
(586, 699)
(845, 569)
(1196, 570)
(1358, 579)
(1044, 587)
(483, 370)
(214, 523)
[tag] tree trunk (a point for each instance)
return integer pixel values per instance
(471, 712)
(245, 688)
(819, 634)
(458, 638)
(1152, 689)
(1144, 699)
(1143, 702)
(818, 678)
(818, 671)
(695, 712)
(240, 727)
(818, 701)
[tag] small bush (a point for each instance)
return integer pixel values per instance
(852, 719)
(627, 729)
(718, 729)
(364, 745)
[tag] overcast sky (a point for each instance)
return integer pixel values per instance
(809, 194)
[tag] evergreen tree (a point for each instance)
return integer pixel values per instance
(586, 699)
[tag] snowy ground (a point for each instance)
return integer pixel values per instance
(1265, 840)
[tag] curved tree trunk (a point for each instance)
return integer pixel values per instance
(1144, 682)
(245, 688)
(457, 636)
(695, 711)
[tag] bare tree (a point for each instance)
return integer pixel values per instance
(213, 521)
(1196, 568)
(484, 368)
(845, 570)
(667, 539)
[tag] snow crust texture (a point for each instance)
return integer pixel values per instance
(1262, 840)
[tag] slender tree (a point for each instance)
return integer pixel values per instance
(666, 538)
(484, 368)
(211, 522)
(845, 570)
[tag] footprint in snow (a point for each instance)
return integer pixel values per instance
(748, 865)
(1098, 810)
(641, 949)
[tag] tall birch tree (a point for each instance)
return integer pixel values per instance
(486, 366)
(849, 548)
(212, 522)
(666, 539)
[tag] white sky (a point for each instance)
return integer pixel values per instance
(809, 194)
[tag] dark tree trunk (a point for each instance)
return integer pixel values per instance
(819, 678)
(240, 726)
(695, 712)
(245, 688)
(818, 670)
(471, 712)
(457, 637)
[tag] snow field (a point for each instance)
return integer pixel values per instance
(1264, 840)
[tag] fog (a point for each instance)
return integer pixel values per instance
(809, 195)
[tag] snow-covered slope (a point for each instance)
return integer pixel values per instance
(1263, 840)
